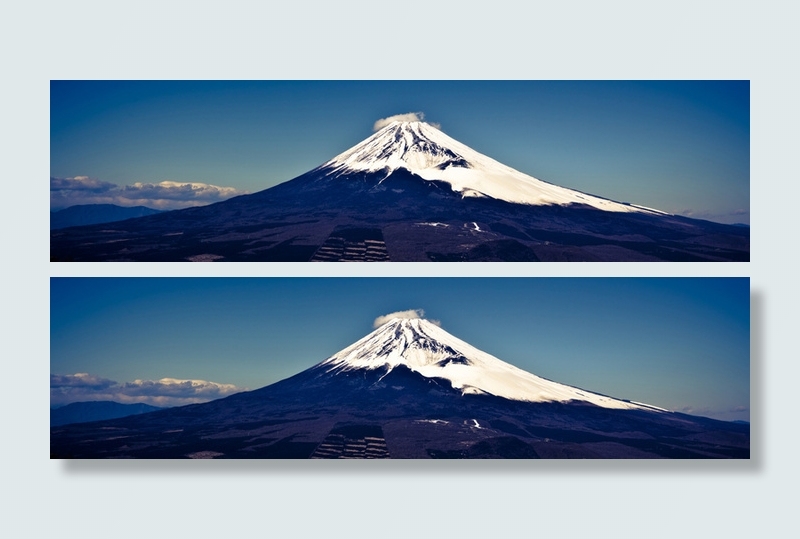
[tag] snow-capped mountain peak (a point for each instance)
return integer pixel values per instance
(411, 145)
(427, 349)
(432, 155)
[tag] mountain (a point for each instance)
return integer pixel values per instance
(428, 350)
(409, 193)
(408, 390)
(90, 214)
(81, 412)
(428, 153)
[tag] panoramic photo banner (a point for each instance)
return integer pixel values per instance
(403, 368)
(433, 171)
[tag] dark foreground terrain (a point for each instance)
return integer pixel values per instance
(401, 415)
(367, 217)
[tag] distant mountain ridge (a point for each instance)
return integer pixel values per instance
(82, 412)
(90, 214)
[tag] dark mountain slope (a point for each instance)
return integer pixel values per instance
(416, 219)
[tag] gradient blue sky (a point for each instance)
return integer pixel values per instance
(679, 146)
(678, 343)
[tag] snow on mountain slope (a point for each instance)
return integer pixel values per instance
(430, 351)
(429, 153)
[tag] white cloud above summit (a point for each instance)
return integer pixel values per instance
(406, 117)
(409, 314)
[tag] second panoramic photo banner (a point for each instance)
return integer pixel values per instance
(412, 368)
(442, 171)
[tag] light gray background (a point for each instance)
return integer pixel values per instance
(500, 39)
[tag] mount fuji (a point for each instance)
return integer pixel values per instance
(409, 193)
(409, 389)
(428, 350)
(428, 153)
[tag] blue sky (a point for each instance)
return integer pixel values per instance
(679, 146)
(678, 343)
